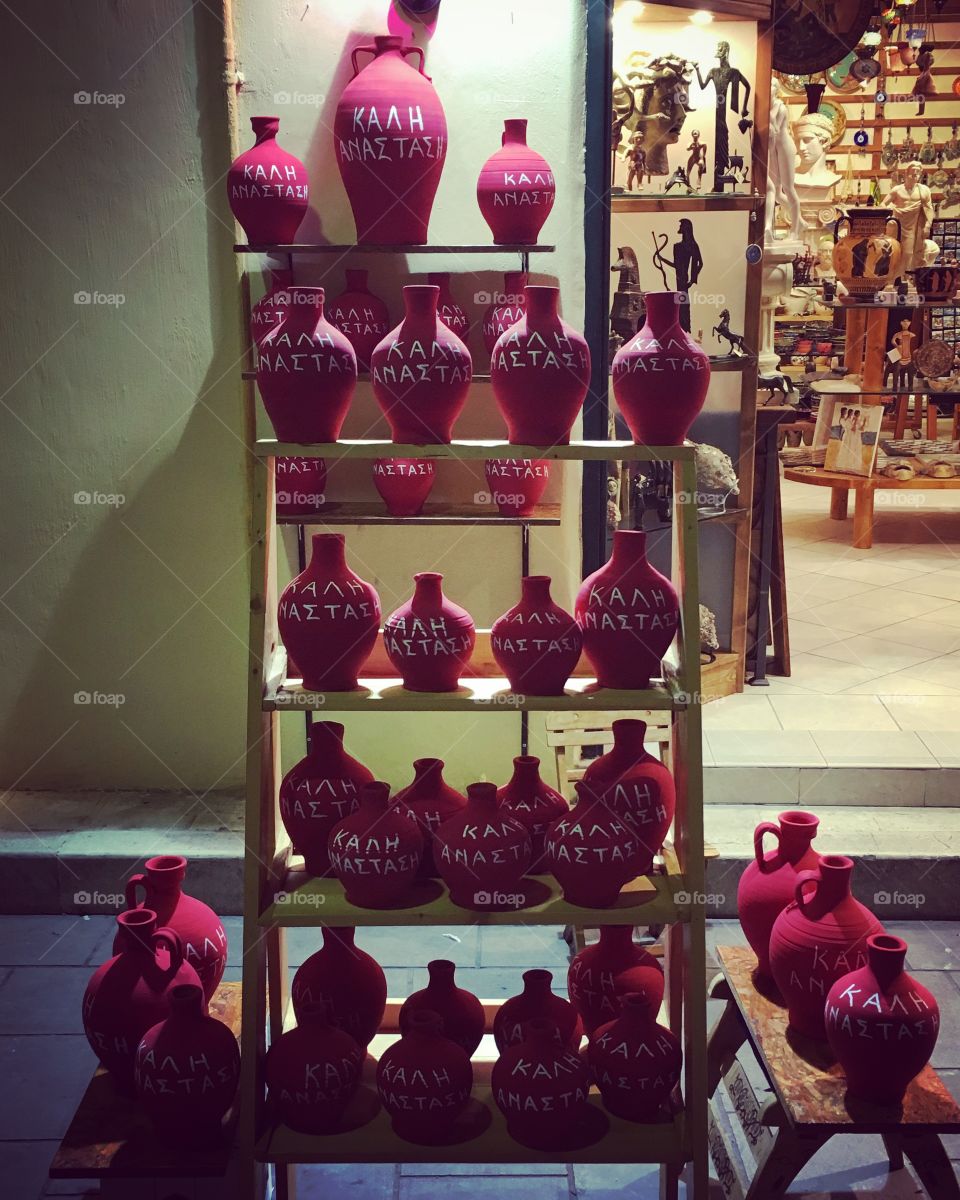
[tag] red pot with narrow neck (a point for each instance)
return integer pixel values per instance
(450, 311)
(424, 1081)
(506, 308)
(329, 618)
(200, 930)
(421, 372)
(268, 188)
(390, 141)
(428, 802)
(819, 937)
(603, 973)
(301, 485)
(306, 371)
(360, 316)
(313, 1071)
(634, 784)
(317, 793)
(536, 643)
(537, 1000)
(345, 979)
(482, 853)
(376, 851)
(661, 376)
(635, 1061)
(429, 639)
(534, 803)
(593, 853)
(460, 1011)
(540, 369)
(882, 1024)
(541, 1087)
(628, 613)
(516, 189)
(404, 483)
(271, 308)
(516, 485)
(769, 883)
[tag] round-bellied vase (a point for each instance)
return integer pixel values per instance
(429, 639)
(404, 483)
(301, 485)
(267, 188)
(537, 1000)
(459, 1010)
(516, 485)
(345, 979)
(541, 1087)
(482, 852)
(593, 852)
(428, 802)
(424, 1080)
(603, 973)
(868, 258)
(516, 189)
(635, 1061)
(505, 310)
(536, 643)
(534, 804)
(375, 852)
(449, 309)
(360, 316)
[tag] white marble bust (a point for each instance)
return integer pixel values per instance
(813, 133)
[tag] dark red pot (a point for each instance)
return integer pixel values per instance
(313, 1072)
(429, 801)
(424, 1081)
(628, 613)
(187, 1070)
(322, 789)
(593, 852)
(301, 485)
(537, 1000)
(347, 981)
(541, 1087)
(421, 372)
(769, 883)
(483, 853)
(267, 188)
(271, 308)
(199, 928)
(516, 189)
(449, 310)
(635, 1061)
(819, 937)
(306, 371)
(516, 484)
(540, 371)
(429, 639)
(661, 376)
(534, 803)
(329, 618)
(376, 851)
(881, 1023)
(361, 317)
(506, 309)
(130, 992)
(404, 483)
(536, 644)
(459, 1010)
(603, 973)
(390, 140)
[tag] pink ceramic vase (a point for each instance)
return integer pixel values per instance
(268, 188)
(537, 1000)
(460, 1011)
(449, 309)
(424, 1081)
(593, 852)
(375, 852)
(516, 189)
(271, 308)
(534, 803)
(404, 483)
(536, 644)
(360, 316)
(301, 485)
(429, 801)
(482, 853)
(516, 485)
(541, 1087)
(346, 981)
(603, 973)
(635, 1061)
(429, 639)
(506, 308)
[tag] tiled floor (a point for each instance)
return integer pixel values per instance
(45, 1062)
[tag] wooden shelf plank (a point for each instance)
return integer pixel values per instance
(406, 248)
(694, 202)
(475, 449)
(372, 512)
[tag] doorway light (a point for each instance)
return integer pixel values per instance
(701, 17)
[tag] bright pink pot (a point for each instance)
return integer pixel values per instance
(536, 644)
(268, 188)
(534, 803)
(517, 484)
(506, 309)
(301, 485)
(390, 140)
(541, 1087)
(482, 853)
(360, 316)
(428, 802)
(537, 1001)
(404, 483)
(450, 311)
(271, 308)
(329, 618)
(516, 189)
(603, 973)
(424, 1081)
(346, 980)
(635, 1061)
(460, 1011)
(429, 639)
(376, 851)
(593, 853)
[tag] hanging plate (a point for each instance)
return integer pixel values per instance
(801, 40)
(863, 70)
(795, 84)
(841, 78)
(934, 358)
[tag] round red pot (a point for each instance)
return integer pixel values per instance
(271, 308)
(404, 483)
(602, 974)
(376, 851)
(516, 189)
(540, 371)
(533, 803)
(187, 1070)
(306, 371)
(661, 376)
(536, 644)
(268, 188)
(819, 937)
(421, 372)
(506, 309)
(635, 1061)
(770, 882)
(516, 484)
(628, 613)
(881, 1023)
(390, 141)
(200, 930)
(593, 853)
(329, 618)
(424, 1081)
(301, 485)
(449, 310)
(347, 981)
(482, 853)
(459, 1010)
(537, 1001)
(429, 639)
(322, 789)
(428, 802)
(541, 1087)
(360, 316)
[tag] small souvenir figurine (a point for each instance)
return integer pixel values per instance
(905, 368)
(737, 344)
(687, 262)
(724, 79)
(626, 309)
(637, 157)
(697, 162)
(678, 179)
(912, 203)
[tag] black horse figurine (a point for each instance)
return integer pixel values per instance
(724, 333)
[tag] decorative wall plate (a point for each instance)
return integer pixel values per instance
(840, 76)
(837, 116)
(863, 70)
(802, 42)
(795, 84)
(933, 358)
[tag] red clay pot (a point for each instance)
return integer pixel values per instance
(534, 803)
(187, 1070)
(541, 1087)
(271, 308)
(347, 981)
(424, 1081)
(516, 189)
(536, 644)
(819, 937)
(421, 372)
(361, 317)
(428, 802)
(429, 639)
(322, 789)
(376, 851)
(390, 140)
(537, 1000)
(404, 483)
(770, 882)
(301, 485)
(635, 1061)
(881, 1023)
(661, 376)
(268, 188)
(130, 992)
(593, 852)
(306, 371)
(459, 1010)
(506, 309)
(483, 853)
(199, 928)
(540, 370)
(516, 485)
(329, 618)
(449, 310)
(313, 1072)
(603, 973)
(629, 615)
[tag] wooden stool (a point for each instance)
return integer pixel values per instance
(803, 1105)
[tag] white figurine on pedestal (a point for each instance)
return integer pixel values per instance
(913, 205)
(781, 170)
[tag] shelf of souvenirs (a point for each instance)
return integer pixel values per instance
(373, 512)
(474, 448)
(370, 248)
(623, 202)
(719, 362)
(894, 100)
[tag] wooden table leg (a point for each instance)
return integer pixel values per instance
(669, 1181)
(785, 1158)
(929, 1159)
(891, 1143)
(726, 1038)
(863, 518)
(838, 503)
